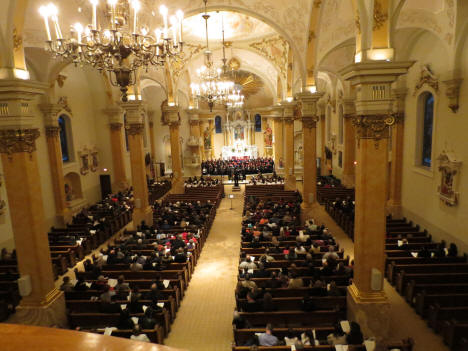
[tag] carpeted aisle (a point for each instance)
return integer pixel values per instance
(204, 319)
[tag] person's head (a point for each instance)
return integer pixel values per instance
(269, 329)
(121, 279)
(66, 280)
(247, 277)
(291, 334)
(136, 330)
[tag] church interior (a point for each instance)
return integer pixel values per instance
(233, 175)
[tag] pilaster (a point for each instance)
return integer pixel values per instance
(173, 119)
(396, 171)
(277, 117)
(43, 304)
(135, 114)
(323, 159)
(52, 132)
(288, 118)
(374, 103)
(151, 133)
(115, 115)
(349, 143)
(309, 142)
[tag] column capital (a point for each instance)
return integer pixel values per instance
(309, 121)
(373, 127)
(114, 113)
(50, 113)
(52, 131)
(135, 111)
(171, 115)
(288, 109)
(135, 128)
(18, 140)
(116, 126)
(308, 102)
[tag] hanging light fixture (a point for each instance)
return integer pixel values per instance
(119, 46)
(213, 87)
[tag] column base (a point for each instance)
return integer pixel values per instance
(50, 313)
(142, 214)
(290, 182)
(348, 180)
(372, 312)
(395, 209)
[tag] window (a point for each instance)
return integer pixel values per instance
(62, 122)
(258, 123)
(218, 126)
(427, 129)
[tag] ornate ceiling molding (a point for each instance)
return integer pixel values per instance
(274, 49)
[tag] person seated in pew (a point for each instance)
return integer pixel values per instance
(267, 303)
(251, 305)
(110, 307)
(125, 321)
(100, 284)
(134, 300)
(291, 338)
(261, 272)
(167, 258)
(66, 285)
(326, 269)
(354, 336)
(247, 282)
(122, 288)
(318, 289)
(137, 335)
(307, 338)
(274, 282)
(135, 266)
(295, 281)
(338, 337)
(452, 250)
(240, 322)
(300, 249)
(5, 255)
(80, 285)
(330, 254)
(106, 295)
(334, 290)
(247, 263)
(154, 294)
(266, 257)
(148, 321)
(314, 249)
(404, 244)
(181, 256)
(267, 338)
(424, 252)
(290, 254)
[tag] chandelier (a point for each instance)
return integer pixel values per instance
(214, 87)
(120, 45)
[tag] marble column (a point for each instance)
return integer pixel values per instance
(349, 143)
(279, 139)
(115, 115)
(173, 119)
(396, 171)
(42, 303)
(135, 113)
(288, 118)
(309, 142)
(367, 302)
(54, 149)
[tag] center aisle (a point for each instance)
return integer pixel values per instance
(203, 322)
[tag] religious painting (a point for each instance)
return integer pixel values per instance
(239, 133)
(258, 123)
(84, 161)
(218, 125)
(94, 160)
(268, 136)
(449, 168)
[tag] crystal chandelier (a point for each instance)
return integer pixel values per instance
(120, 45)
(214, 87)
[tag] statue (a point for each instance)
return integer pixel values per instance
(268, 136)
(207, 138)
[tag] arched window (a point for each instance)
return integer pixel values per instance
(427, 122)
(258, 123)
(62, 122)
(218, 126)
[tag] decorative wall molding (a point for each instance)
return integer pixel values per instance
(373, 127)
(63, 102)
(84, 160)
(427, 77)
(275, 50)
(94, 159)
(453, 93)
(449, 168)
(18, 140)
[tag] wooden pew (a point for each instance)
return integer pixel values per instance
(294, 318)
(295, 303)
(155, 335)
(436, 315)
(413, 288)
(424, 300)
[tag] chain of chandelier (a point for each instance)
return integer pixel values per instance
(120, 45)
(215, 85)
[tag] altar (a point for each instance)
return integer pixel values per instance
(239, 150)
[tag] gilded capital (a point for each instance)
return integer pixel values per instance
(373, 126)
(18, 140)
(52, 131)
(116, 126)
(309, 122)
(135, 128)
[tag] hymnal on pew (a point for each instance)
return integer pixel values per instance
(166, 283)
(345, 326)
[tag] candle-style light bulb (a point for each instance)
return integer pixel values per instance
(53, 13)
(163, 11)
(180, 18)
(79, 31)
(44, 12)
(112, 4)
(94, 3)
(173, 21)
(136, 7)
